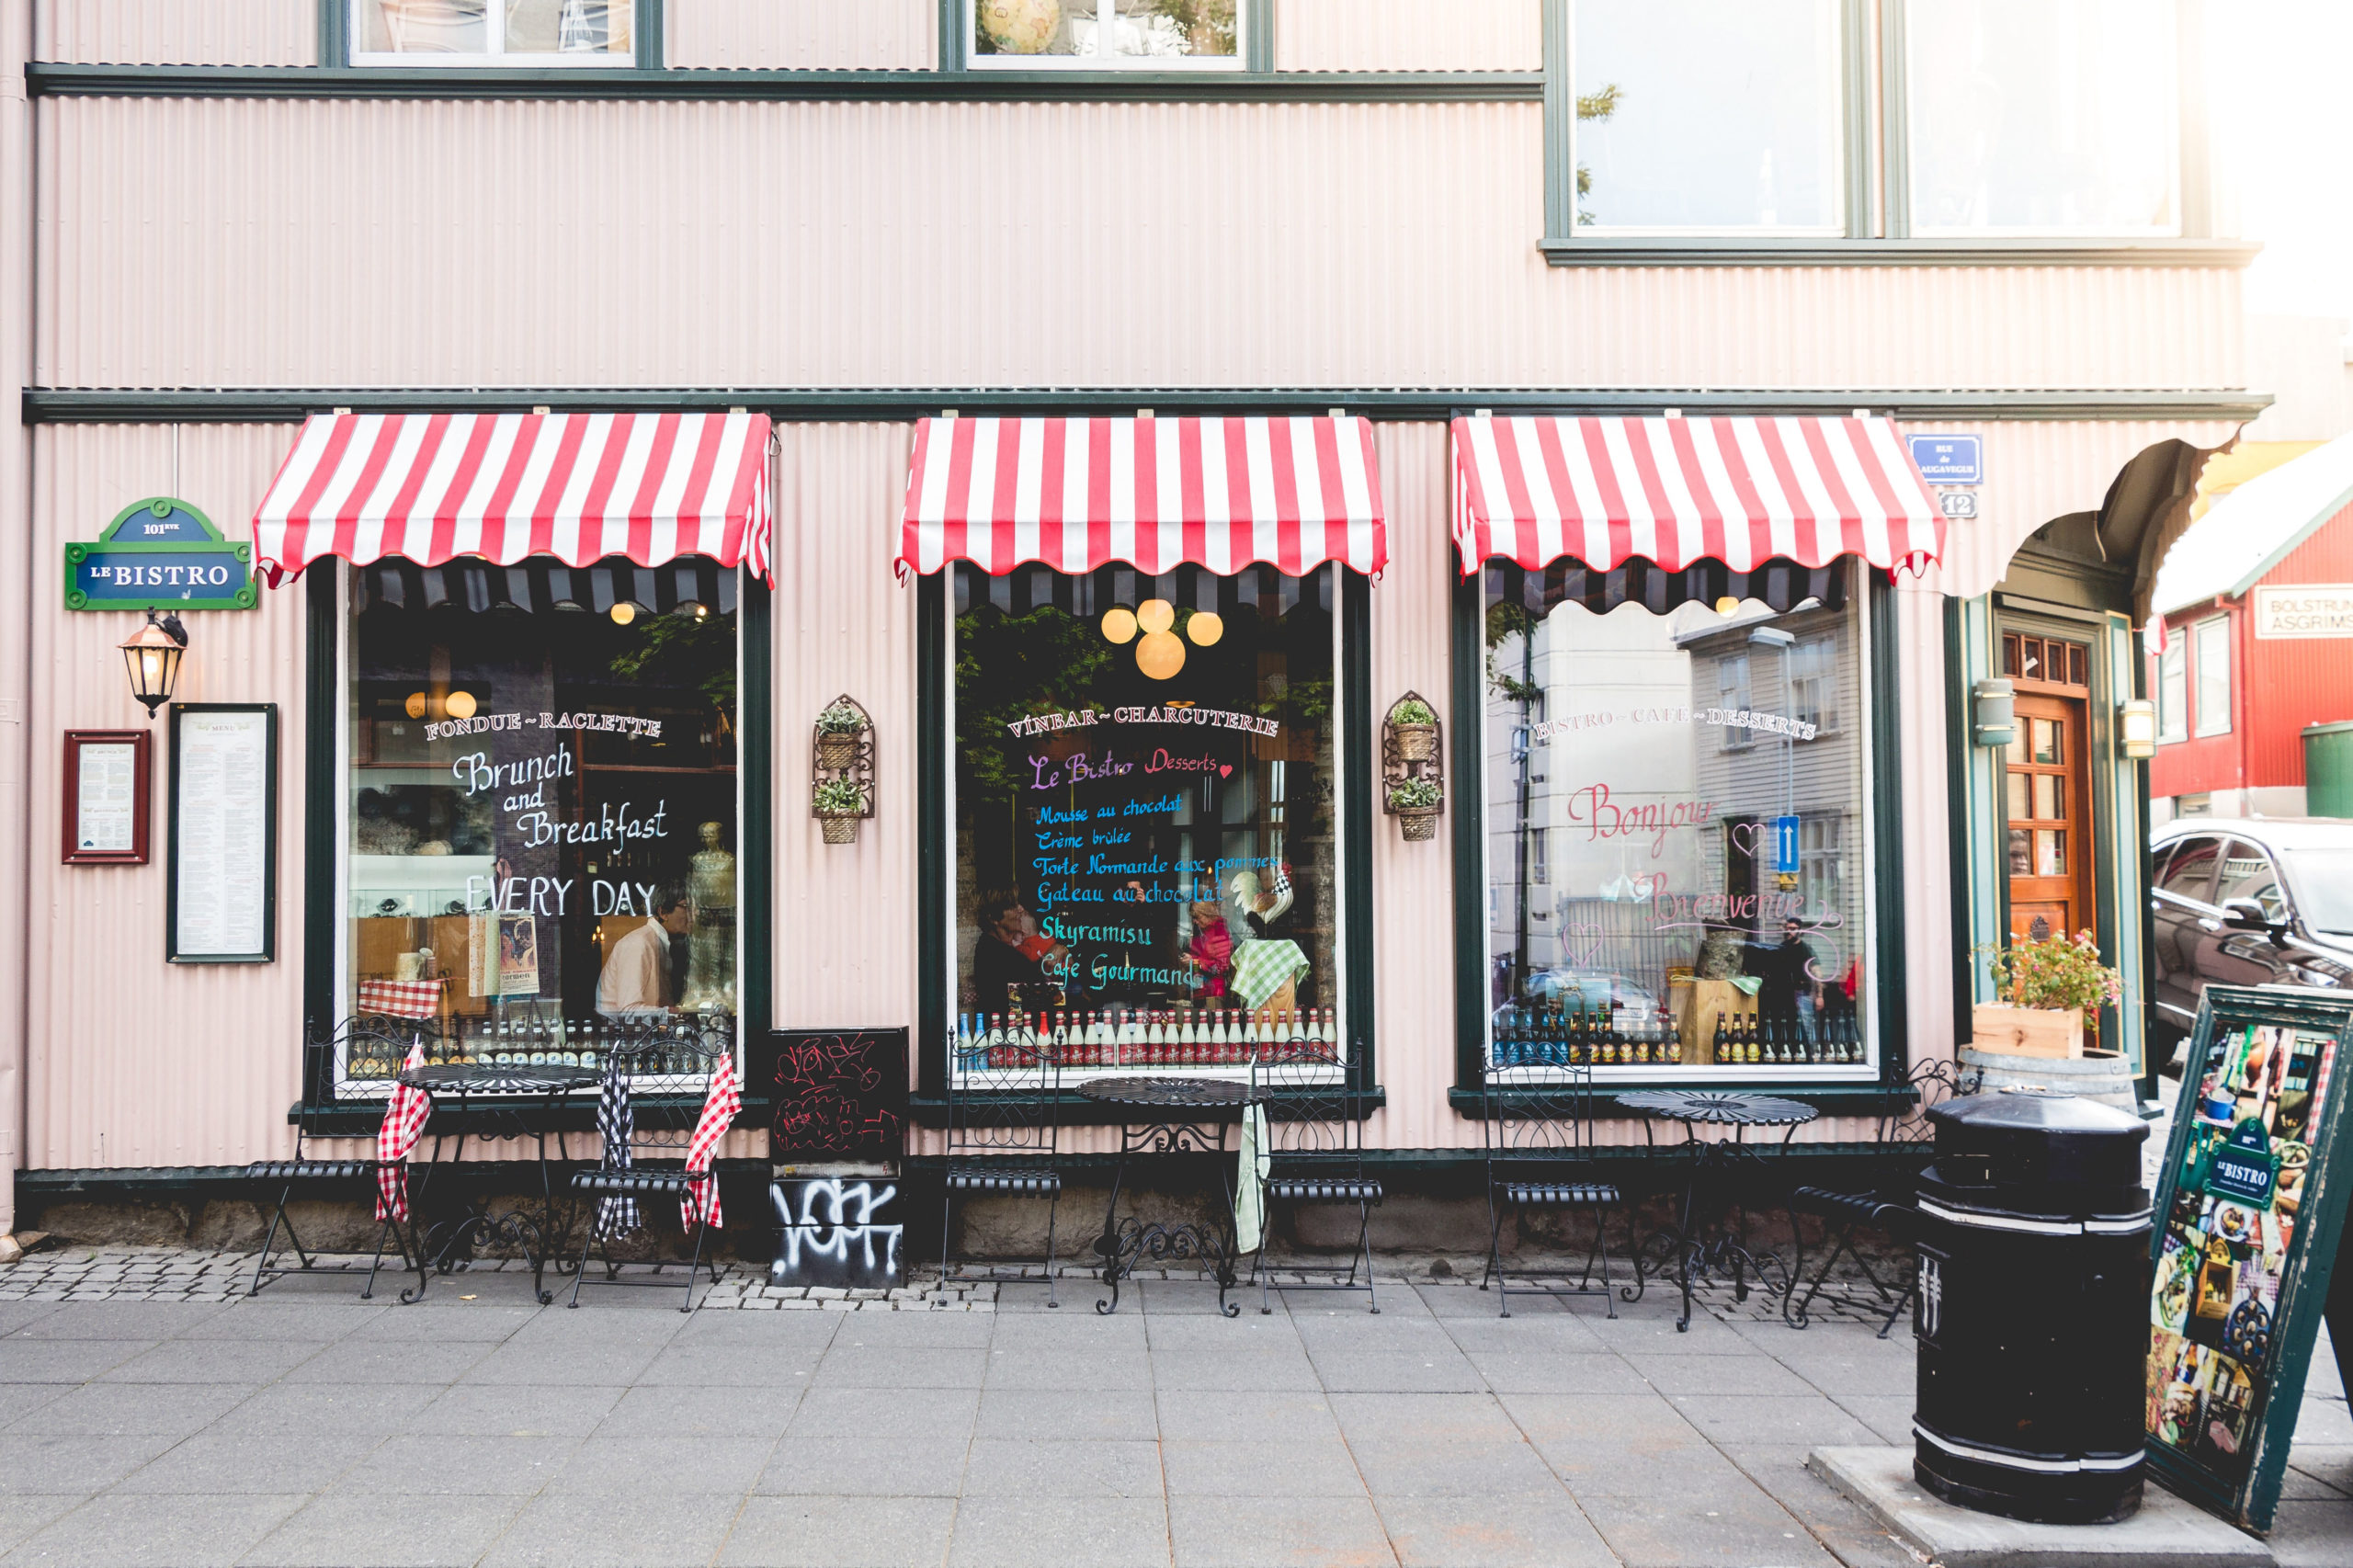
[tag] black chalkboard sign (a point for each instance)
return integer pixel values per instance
(834, 1093)
(2250, 1203)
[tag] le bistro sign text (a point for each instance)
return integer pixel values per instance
(160, 554)
(2304, 610)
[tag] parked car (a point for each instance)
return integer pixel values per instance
(2264, 901)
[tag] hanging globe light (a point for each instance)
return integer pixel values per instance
(1119, 624)
(1160, 654)
(1205, 627)
(1155, 615)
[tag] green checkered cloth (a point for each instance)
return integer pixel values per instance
(1262, 968)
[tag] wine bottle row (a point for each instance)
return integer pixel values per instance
(1182, 1037)
(1538, 1036)
(543, 1042)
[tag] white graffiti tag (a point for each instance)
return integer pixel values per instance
(834, 1218)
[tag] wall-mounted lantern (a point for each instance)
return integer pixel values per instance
(1413, 776)
(1994, 719)
(841, 769)
(153, 654)
(2136, 728)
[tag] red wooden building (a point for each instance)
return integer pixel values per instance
(2252, 640)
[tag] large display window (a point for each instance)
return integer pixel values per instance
(540, 805)
(1677, 844)
(1144, 815)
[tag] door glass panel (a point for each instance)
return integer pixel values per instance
(2021, 855)
(2046, 741)
(2017, 797)
(2051, 852)
(2050, 796)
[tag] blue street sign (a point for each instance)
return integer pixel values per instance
(1950, 459)
(1785, 845)
(160, 554)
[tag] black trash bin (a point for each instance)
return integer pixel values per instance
(2032, 1314)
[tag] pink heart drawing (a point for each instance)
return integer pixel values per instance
(1224, 769)
(1583, 957)
(1745, 837)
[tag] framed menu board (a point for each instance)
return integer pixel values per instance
(2250, 1200)
(105, 796)
(221, 887)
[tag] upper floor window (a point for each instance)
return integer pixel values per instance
(1813, 683)
(1708, 115)
(1151, 35)
(2212, 658)
(2173, 692)
(2074, 134)
(501, 32)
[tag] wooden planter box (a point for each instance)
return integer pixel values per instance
(2027, 1031)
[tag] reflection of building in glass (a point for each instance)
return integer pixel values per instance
(1664, 790)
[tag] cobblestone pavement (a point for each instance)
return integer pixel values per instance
(147, 1416)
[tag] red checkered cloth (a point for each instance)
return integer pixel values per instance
(401, 998)
(718, 1108)
(403, 1125)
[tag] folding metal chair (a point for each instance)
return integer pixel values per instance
(1004, 1140)
(667, 1070)
(1541, 1153)
(363, 1050)
(1315, 1108)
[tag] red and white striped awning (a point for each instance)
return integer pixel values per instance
(1156, 493)
(1672, 491)
(431, 487)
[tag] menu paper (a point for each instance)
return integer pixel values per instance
(220, 851)
(105, 818)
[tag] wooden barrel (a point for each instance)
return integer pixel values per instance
(2102, 1075)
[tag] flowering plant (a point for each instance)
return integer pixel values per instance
(2053, 972)
(841, 798)
(840, 718)
(1414, 795)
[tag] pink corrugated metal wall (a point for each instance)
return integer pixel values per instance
(132, 1060)
(177, 32)
(1409, 35)
(802, 35)
(776, 244)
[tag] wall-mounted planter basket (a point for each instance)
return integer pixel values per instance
(841, 768)
(1413, 771)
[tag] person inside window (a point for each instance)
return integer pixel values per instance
(636, 976)
(1786, 997)
(1012, 964)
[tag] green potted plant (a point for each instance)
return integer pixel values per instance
(839, 803)
(2046, 987)
(1416, 729)
(839, 728)
(1417, 801)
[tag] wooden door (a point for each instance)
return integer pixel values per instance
(2049, 818)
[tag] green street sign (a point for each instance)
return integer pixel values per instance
(160, 554)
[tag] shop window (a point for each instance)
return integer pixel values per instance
(2173, 691)
(492, 32)
(2076, 135)
(1707, 115)
(1145, 819)
(540, 805)
(2212, 659)
(1095, 35)
(1687, 877)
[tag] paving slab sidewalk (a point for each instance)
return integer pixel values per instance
(151, 1422)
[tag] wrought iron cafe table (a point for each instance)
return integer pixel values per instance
(1700, 1250)
(495, 1101)
(1162, 1117)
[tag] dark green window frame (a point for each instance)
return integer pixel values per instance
(933, 956)
(1883, 793)
(1258, 18)
(335, 41)
(322, 849)
(1877, 159)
